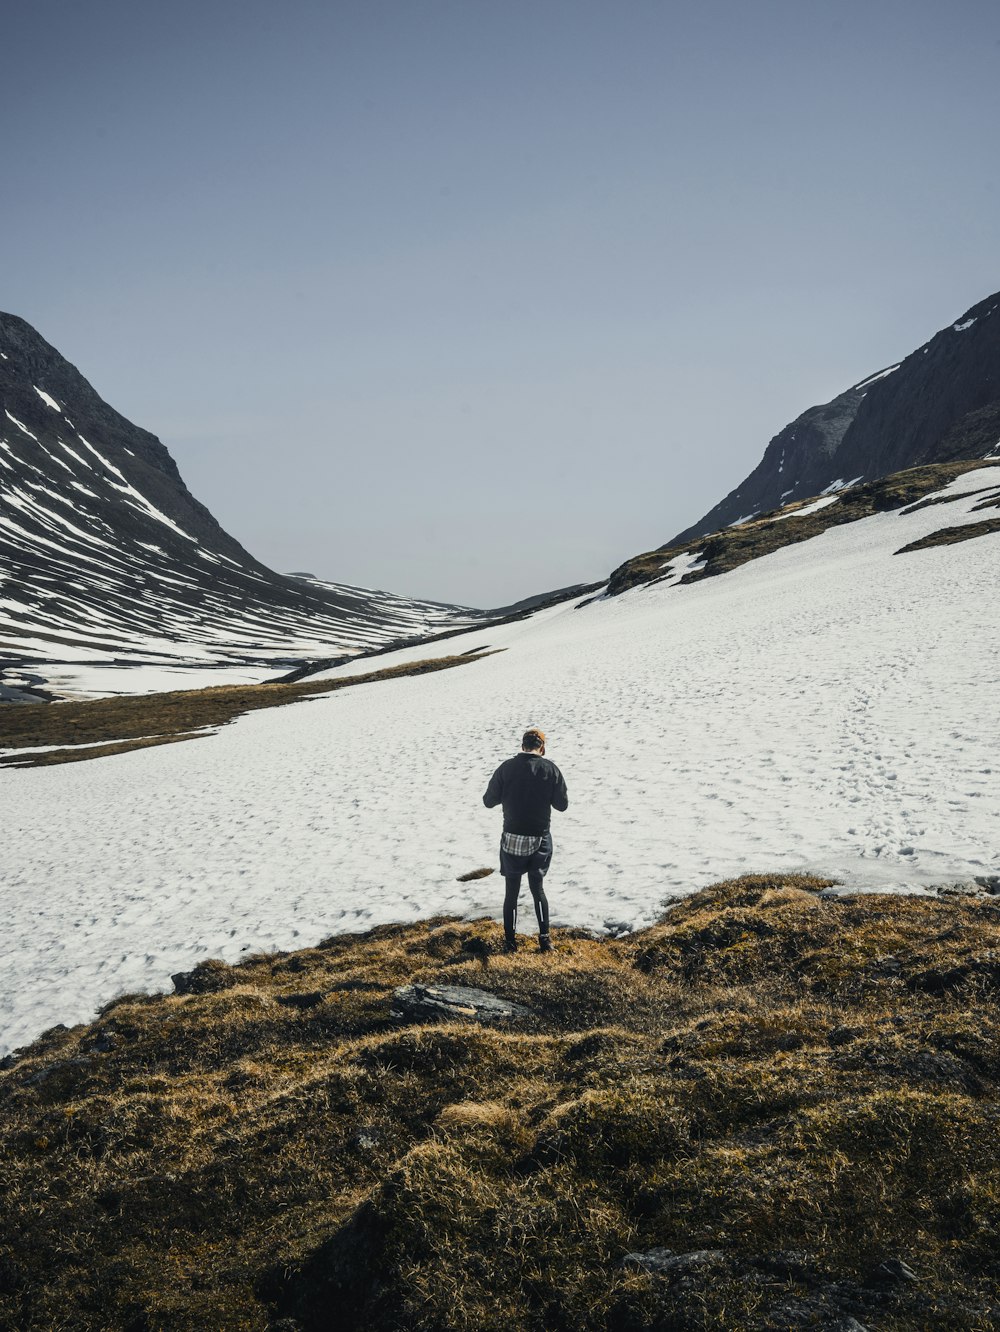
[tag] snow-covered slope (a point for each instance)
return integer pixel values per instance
(830, 706)
(113, 576)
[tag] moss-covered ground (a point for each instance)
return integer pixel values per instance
(799, 1090)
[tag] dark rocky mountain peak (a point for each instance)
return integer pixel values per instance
(939, 405)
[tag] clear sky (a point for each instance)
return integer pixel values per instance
(475, 298)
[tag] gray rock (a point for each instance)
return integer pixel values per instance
(616, 928)
(991, 882)
(650, 1260)
(845, 1325)
(664, 1262)
(445, 1003)
(960, 888)
(208, 977)
(894, 1269)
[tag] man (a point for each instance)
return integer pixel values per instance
(530, 787)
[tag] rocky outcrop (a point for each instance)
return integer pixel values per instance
(446, 1003)
(941, 404)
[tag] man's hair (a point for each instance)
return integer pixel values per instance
(533, 738)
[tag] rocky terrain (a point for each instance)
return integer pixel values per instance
(941, 404)
(775, 1109)
(797, 521)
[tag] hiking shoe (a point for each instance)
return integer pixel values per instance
(544, 944)
(510, 945)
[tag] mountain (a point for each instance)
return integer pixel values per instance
(940, 404)
(107, 559)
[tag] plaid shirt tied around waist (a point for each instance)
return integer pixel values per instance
(520, 844)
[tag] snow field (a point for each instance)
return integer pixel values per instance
(830, 707)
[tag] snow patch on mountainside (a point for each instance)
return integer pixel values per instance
(840, 484)
(817, 504)
(882, 374)
(48, 399)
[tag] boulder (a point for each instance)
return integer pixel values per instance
(616, 929)
(958, 888)
(207, 977)
(447, 1003)
(664, 1262)
(895, 1270)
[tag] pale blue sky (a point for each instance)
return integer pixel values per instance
(471, 300)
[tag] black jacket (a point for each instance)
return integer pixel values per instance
(529, 787)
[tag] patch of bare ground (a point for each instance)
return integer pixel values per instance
(101, 726)
(949, 536)
(733, 546)
(783, 1105)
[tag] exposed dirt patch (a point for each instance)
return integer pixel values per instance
(949, 536)
(954, 499)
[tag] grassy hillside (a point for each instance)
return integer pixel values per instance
(794, 1094)
(727, 549)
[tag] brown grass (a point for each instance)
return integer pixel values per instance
(733, 546)
(806, 1087)
(118, 725)
(949, 536)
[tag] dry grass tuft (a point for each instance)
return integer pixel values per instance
(795, 1089)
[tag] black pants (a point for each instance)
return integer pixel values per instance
(513, 869)
(536, 883)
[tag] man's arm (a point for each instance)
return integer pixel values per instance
(494, 792)
(560, 799)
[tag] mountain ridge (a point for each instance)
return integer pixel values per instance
(939, 404)
(107, 558)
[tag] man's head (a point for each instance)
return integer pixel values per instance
(533, 741)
